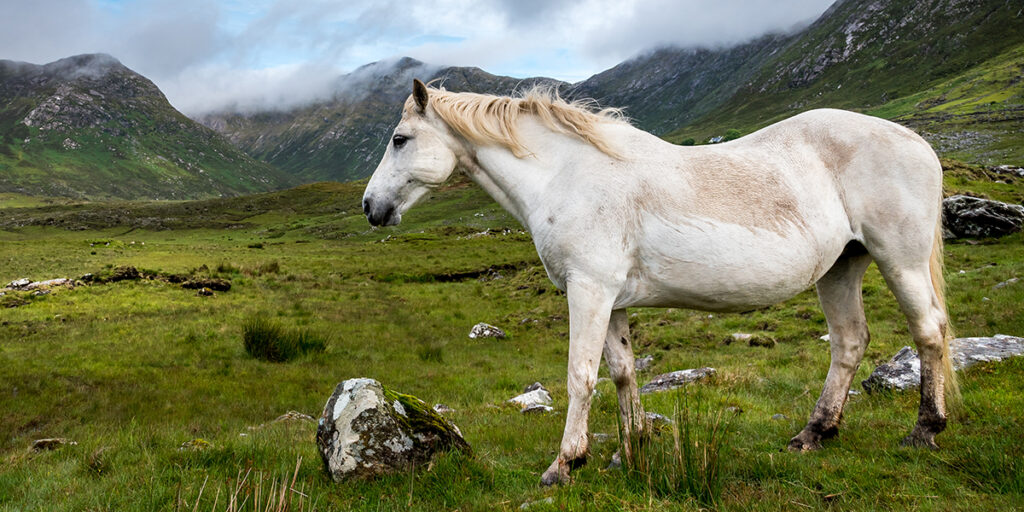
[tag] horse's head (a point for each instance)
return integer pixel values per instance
(420, 156)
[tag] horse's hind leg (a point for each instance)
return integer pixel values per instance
(618, 354)
(926, 318)
(839, 291)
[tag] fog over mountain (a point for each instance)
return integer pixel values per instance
(279, 54)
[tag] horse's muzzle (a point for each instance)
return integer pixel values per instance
(380, 214)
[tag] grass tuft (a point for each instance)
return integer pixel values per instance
(268, 340)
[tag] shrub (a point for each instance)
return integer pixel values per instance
(688, 142)
(268, 340)
(731, 134)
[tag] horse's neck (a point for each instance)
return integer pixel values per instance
(517, 184)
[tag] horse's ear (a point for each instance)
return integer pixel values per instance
(419, 93)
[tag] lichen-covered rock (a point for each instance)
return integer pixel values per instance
(972, 217)
(643, 363)
(482, 330)
(672, 380)
(368, 430)
(52, 443)
(904, 370)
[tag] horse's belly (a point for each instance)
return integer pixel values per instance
(725, 267)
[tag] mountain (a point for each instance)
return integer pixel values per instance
(951, 69)
(343, 138)
(89, 127)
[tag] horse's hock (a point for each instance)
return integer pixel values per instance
(368, 430)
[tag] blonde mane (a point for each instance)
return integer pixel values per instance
(484, 119)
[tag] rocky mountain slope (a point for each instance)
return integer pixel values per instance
(343, 138)
(89, 127)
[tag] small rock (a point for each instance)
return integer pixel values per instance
(443, 409)
(658, 420)
(826, 337)
(368, 430)
(533, 387)
(672, 380)
(643, 363)
(734, 409)
(741, 336)
(600, 437)
(985, 299)
(211, 283)
(52, 443)
(536, 408)
(17, 284)
(482, 330)
(546, 501)
(536, 396)
(853, 392)
(1005, 283)
(205, 292)
(779, 417)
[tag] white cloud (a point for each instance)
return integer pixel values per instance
(206, 54)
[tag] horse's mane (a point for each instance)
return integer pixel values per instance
(483, 118)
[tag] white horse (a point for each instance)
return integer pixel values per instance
(621, 218)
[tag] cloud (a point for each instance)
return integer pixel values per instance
(210, 54)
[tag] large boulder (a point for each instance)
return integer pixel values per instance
(368, 430)
(903, 371)
(971, 217)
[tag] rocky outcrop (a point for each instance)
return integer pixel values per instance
(972, 217)
(903, 371)
(368, 430)
(673, 380)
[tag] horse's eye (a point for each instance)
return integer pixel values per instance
(399, 140)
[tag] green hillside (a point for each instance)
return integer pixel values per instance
(950, 70)
(88, 127)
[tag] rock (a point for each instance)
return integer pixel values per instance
(205, 292)
(535, 394)
(972, 217)
(52, 443)
(290, 416)
(672, 380)
(536, 409)
(734, 410)
(482, 330)
(443, 409)
(1009, 169)
(600, 437)
(741, 336)
(644, 363)
(827, 337)
(904, 370)
(779, 417)
(1006, 283)
(368, 430)
(658, 420)
(530, 504)
(17, 284)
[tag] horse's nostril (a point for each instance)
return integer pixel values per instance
(366, 206)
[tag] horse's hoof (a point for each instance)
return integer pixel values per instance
(557, 473)
(804, 442)
(920, 440)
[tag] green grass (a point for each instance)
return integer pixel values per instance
(131, 370)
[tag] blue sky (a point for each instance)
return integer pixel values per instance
(212, 54)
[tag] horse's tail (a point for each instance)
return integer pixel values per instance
(952, 388)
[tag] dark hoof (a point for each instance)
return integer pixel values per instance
(804, 442)
(920, 440)
(557, 473)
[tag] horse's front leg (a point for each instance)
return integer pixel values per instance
(589, 311)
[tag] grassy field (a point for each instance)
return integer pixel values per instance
(133, 370)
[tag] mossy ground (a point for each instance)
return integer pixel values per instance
(133, 369)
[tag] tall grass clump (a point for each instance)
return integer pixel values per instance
(689, 464)
(268, 340)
